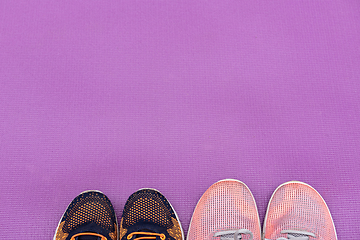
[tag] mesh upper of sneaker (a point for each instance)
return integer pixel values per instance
(147, 210)
(91, 212)
(297, 207)
(147, 206)
(226, 205)
(90, 207)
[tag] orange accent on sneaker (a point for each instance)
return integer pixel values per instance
(150, 235)
(87, 234)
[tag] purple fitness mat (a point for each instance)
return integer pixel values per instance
(176, 95)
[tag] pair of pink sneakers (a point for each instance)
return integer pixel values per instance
(227, 211)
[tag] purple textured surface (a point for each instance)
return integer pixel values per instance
(175, 96)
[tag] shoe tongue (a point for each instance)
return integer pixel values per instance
(88, 237)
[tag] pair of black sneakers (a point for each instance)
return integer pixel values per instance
(147, 215)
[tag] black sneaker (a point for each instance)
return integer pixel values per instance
(149, 215)
(90, 216)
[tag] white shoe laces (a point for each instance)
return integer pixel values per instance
(295, 235)
(233, 234)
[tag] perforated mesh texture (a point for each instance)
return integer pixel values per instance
(149, 206)
(297, 206)
(90, 207)
(226, 205)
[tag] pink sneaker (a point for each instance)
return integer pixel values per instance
(227, 210)
(297, 211)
